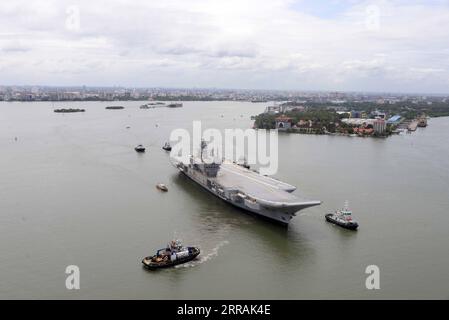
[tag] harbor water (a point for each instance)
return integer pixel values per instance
(74, 192)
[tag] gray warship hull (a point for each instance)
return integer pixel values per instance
(248, 190)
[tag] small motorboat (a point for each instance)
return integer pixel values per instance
(140, 148)
(162, 187)
(167, 146)
(171, 256)
(342, 218)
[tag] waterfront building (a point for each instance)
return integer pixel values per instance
(283, 122)
(347, 114)
(378, 115)
(379, 126)
(358, 121)
(355, 114)
(363, 130)
(272, 109)
(394, 120)
(303, 123)
(292, 108)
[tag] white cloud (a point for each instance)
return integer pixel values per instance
(233, 43)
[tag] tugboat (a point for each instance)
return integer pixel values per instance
(342, 218)
(167, 146)
(140, 148)
(171, 256)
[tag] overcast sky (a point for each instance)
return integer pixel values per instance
(262, 44)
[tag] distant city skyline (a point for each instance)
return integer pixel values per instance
(86, 93)
(349, 46)
(44, 87)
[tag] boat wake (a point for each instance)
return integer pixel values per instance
(204, 258)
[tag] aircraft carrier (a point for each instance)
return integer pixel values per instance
(246, 189)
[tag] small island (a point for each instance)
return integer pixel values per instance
(152, 105)
(373, 120)
(69, 110)
(114, 108)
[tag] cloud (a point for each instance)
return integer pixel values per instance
(284, 44)
(14, 49)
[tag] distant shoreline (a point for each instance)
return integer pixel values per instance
(140, 100)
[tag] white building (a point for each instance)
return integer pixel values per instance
(380, 125)
(358, 121)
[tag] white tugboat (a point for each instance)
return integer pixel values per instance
(167, 146)
(140, 148)
(343, 218)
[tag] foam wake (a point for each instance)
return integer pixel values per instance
(204, 257)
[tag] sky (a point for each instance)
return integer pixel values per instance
(338, 45)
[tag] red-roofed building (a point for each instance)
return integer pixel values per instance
(366, 131)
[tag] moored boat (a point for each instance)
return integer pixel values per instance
(140, 148)
(342, 218)
(174, 105)
(167, 146)
(162, 187)
(171, 256)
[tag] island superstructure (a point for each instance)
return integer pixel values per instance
(246, 189)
